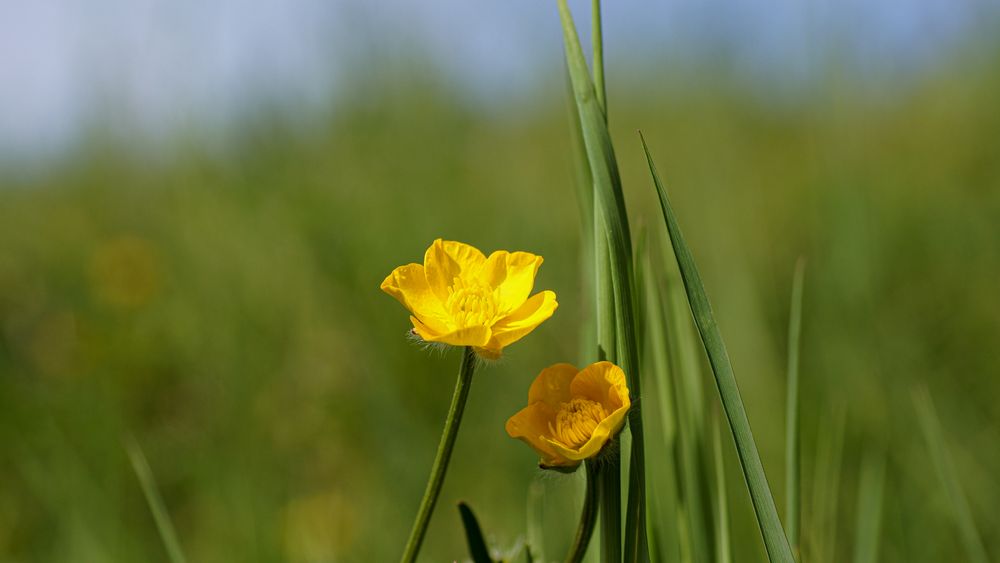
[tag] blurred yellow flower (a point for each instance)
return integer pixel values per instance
(461, 297)
(571, 414)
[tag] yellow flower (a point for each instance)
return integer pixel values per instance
(461, 297)
(571, 414)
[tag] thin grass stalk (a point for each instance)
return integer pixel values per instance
(792, 455)
(775, 540)
(588, 514)
(149, 490)
(664, 484)
(723, 541)
(443, 457)
(972, 542)
(826, 485)
(694, 520)
(695, 494)
(871, 491)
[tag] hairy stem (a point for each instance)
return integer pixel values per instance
(445, 448)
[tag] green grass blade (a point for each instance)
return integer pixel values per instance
(663, 478)
(775, 540)
(723, 541)
(611, 219)
(686, 373)
(792, 455)
(474, 535)
(943, 462)
(871, 490)
(535, 519)
(826, 485)
(610, 472)
(695, 489)
(597, 38)
(585, 200)
(155, 502)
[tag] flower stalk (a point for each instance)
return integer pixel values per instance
(588, 516)
(445, 447)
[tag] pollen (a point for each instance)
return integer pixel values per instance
(576, 421)
(472, 304)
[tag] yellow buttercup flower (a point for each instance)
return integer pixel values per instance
(571, 414)
(458, 296)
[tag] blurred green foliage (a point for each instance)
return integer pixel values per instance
(222, 307)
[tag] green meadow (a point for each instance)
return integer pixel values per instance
(218, 305)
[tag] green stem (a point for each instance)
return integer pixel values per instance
(611, 504)
(445, 448)
(588, 516)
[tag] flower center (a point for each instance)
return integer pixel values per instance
(576, 421)
(471, 304)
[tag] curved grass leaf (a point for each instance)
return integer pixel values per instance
(775, 540)
(474, 535)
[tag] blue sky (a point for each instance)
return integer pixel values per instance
(149, 67)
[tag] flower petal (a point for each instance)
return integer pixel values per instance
(603, 382)
(607, 429)
(552, 385)
(425, 332)
(472, 336)
(512, 275)
(530, 425)
(446, 260)
(409, 286)
(519, 323)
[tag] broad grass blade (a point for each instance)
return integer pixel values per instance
(612, 221)
(474, 535)
(775, 540)
(975, 550)
(160, 515)
(585, 199)
(792, 456)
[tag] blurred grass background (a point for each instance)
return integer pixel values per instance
(222, 307)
